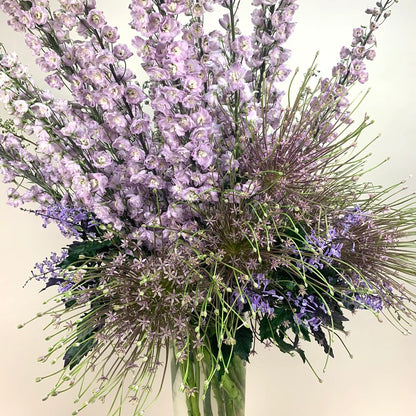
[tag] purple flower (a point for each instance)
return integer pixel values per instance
(358, 32)
(96, 19)
(48, 268)
(373, 302)
(39, 15)
(242, 46)
(122, 52)
(309, 310)
(258, 295)
(321, 251)
(110, 34)
(134, 94)
(193, 84)
(235, 77)
(73, 222)
(357, 67)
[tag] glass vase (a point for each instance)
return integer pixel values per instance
(224, 395)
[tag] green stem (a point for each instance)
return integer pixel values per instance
(207, 402)
(218, 396)
(225, 394)
(194, 397)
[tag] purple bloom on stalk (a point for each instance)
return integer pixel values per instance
(96, 19)
(54, 81)
(193, 84)
(122, 52)
(323, 249)
(258, 295)
(48, 268)
(102, 160)
(309, 310)
(39, 15)
(235, 77)
(177, 51)
(134, 94)
(72, 222)
(357, 66)
(110, 34)
(34, 43)
(242, 46)
(352, 217)
(358, 32)
(169, 29)
(372, 302)
(41, 110)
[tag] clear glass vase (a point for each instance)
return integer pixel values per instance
(223, 396)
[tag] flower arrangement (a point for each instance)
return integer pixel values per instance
(204, 213)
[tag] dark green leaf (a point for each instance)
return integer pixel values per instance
(87, 249)
(321, 340)
(244, 341)
(269, 326)
(84, 342)
(69, 303)
(283, 345)
(305, 332)
(75, 353)
(25, 5)
(302, 354)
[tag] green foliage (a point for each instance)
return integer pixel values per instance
(275, 330)
(86, 330)
(244, 341)
(85, 251)
(25, 5)
(83, 344)
(269, 326)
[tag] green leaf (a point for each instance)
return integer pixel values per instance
(269, 326)
(268, 329)
(75, 353)
(283, 345)
(302, 354)
(305, 332)
(25, 5)
(69, 303)
(244, 341)
(88, 249)
(84, 342)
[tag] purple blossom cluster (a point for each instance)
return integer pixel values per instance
(258, 295)
(111, 158)
(373, 302)
(49, 272)
(364, 296)
(321, 249)
(309, 310)
(72, 222)
(352, 66)
(324, 249)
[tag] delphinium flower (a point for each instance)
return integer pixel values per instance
(206, 212)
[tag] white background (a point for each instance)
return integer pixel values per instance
(381, 379)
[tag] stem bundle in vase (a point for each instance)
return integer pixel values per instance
(207, 202)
